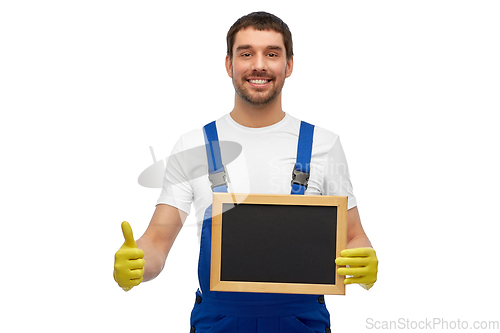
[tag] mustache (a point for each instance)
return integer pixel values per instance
(264, 76)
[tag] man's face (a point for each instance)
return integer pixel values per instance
(259, 65)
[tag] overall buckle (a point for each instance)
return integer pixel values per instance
(218, 178)
(299, 177)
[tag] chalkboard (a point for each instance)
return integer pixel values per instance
(277, 243)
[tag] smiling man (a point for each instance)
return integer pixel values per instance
(258, 67)
(259, 59)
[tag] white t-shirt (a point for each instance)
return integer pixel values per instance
(265, 164)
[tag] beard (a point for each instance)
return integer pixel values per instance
(255, 96)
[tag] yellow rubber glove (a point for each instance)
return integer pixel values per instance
(129, 262)
(362, 263)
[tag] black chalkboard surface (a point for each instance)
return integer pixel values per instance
(277, 243)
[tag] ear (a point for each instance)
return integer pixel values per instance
(229, 66)
(289, 67)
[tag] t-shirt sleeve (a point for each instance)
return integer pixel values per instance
(177, 190)
(337, 180)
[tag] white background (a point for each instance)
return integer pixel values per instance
(412, 87)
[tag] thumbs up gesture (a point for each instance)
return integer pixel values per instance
(129, 262)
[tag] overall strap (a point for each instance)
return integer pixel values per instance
(301, 170)
(216, 170)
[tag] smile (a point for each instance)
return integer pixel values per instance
(259, 83)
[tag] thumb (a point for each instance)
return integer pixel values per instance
(128, 235)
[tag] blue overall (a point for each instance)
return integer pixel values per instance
(242, 312)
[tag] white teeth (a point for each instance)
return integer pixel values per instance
(258, 81)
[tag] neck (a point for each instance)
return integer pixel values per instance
(249, 115)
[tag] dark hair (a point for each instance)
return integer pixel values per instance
(260, 21)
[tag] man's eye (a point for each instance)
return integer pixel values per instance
(272, 55)
(246, 54)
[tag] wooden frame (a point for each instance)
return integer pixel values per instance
(219, 199)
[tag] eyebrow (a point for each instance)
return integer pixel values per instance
(248, 47)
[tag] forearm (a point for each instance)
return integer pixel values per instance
(159, 237)
(153, 257)
(356, 236)
(358, 241)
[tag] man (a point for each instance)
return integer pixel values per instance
(259, 59)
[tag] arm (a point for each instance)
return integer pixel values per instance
(159, 237)
(359, 256)
(356, 236)
(143, 260)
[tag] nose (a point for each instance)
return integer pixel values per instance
(259, 63)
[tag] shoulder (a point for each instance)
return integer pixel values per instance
(191, 139)
(322, 136)
(196, 138)
(293, 122)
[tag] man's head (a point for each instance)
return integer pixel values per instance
(259, 57)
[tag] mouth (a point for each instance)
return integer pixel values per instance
(259, 82)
